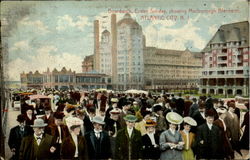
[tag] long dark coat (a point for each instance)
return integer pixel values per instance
(128, 148)
(244, 142)
(30, 150)
(53, 130)
(29, 121)
(49, 120)
(233, 126)
(68, 148)
(149, 151)
(198, 118)
(226, 150)
(180, 106)
(187, 105)
(103, 102)
(98, 148)
(15, 138)
(212, 141)
(109, 125)
(88, 125)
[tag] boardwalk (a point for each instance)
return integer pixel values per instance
(11, 122)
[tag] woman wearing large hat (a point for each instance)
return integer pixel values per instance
(188, 138)
(226, 151)
(171, 143)
(74, 146)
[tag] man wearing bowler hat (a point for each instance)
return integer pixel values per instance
(16, 135)
(128, 141)
(37, 146)
(98, 141)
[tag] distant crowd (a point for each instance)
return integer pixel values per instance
(108, 125)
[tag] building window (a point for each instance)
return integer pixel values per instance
(245, 56)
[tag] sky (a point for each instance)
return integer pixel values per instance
(55, 34)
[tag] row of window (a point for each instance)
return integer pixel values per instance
(63, 78)
(125, 78)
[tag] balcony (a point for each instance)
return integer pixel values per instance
(220, 54)
(221, 61)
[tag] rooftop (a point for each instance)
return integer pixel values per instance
(233, 32)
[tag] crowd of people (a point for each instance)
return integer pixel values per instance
(101, 125)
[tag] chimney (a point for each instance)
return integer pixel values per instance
(96, 46)
(114, 48)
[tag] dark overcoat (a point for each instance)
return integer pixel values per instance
(209, 149)
(53, 130)
(16, 136)
(150, 151)
(98, 148)
(226, 151)
(128, 148)
(68, 148)
(31, 150)
(233, 126)
(244, 142)
(109, 125)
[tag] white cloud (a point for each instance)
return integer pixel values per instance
(44, 58)
(212, 29)
(67, 21)
(22, 45)
(39, 25)
(156, 35)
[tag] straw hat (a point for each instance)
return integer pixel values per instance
(115, 111)
(190, 121)
(73, 121)
(114, 100)
(130, 118)
(221, 110)
(70, 107)
(150, 123)
(174, 118)
(39, 123)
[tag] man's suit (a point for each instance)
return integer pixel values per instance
(149, 151)
(30, 149)
(15, 138)
(209, 149)
(98, 148)
(53, 130)
(128, 148)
